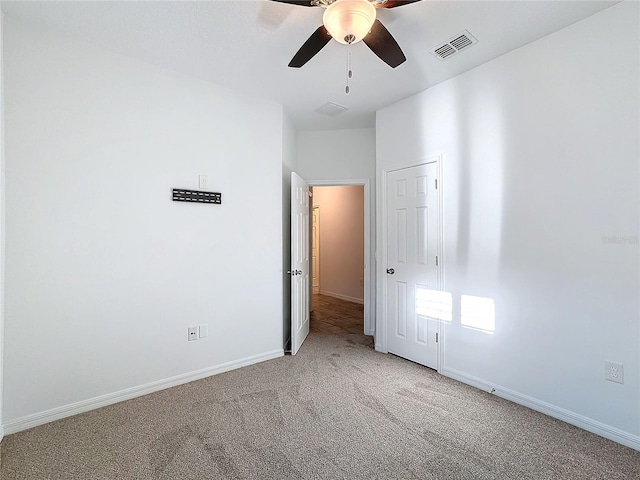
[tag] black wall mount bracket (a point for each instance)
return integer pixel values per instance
(196, 196)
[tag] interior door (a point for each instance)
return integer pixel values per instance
(412, 243)
(299, 261)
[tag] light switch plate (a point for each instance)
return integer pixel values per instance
(203, 182)
(203, 330)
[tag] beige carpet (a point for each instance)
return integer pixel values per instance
(337, 410)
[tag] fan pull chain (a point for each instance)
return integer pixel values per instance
(349, 72)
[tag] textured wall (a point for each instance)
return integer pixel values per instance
(104, 272)
(2, 200)
(540, 151)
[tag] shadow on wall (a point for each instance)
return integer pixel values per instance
(471, 131)
(286, 257)
(481, 142)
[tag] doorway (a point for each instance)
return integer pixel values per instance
(338, 259)
(300, 267)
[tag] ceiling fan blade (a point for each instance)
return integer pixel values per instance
(302, 3)
(394, 3)
(382, 43)
(313, 45)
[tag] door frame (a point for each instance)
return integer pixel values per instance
(369, 266)
(381, 238)
(317, 227)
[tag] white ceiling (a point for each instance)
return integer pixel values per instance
(247, 44)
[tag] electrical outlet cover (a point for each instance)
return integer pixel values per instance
(614, 372)
(192, 333)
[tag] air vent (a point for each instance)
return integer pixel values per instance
(445, 51)
(454, 45)
(332, 109)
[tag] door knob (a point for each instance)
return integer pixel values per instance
(390, 271)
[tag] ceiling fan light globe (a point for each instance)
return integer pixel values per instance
(348, 19)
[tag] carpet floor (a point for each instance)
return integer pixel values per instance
(337, 410)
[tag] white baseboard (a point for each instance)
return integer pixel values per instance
(40, 418)
(342, 297)
(593, 426)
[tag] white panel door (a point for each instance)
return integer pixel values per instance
(412, 243)
(299, 261)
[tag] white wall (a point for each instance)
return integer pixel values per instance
(541, 154)
(337, 154)
(344, 155)
(2, 258)
(288, 166)
(341, 242)
(104, 272)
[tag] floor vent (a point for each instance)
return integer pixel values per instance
(454, 45)
(332, 109)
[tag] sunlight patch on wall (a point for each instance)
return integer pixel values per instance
(434, 303)
(478, 312)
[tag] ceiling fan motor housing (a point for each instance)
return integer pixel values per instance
(348, 21)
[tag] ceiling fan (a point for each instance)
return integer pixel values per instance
(348, 22)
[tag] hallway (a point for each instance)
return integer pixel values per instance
(333, 315)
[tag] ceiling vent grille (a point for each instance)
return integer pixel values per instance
(332, 109)
(454, 45)
(445, 51)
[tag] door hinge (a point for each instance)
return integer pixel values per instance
(436, 183)
(437, 337)
(436, 260)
